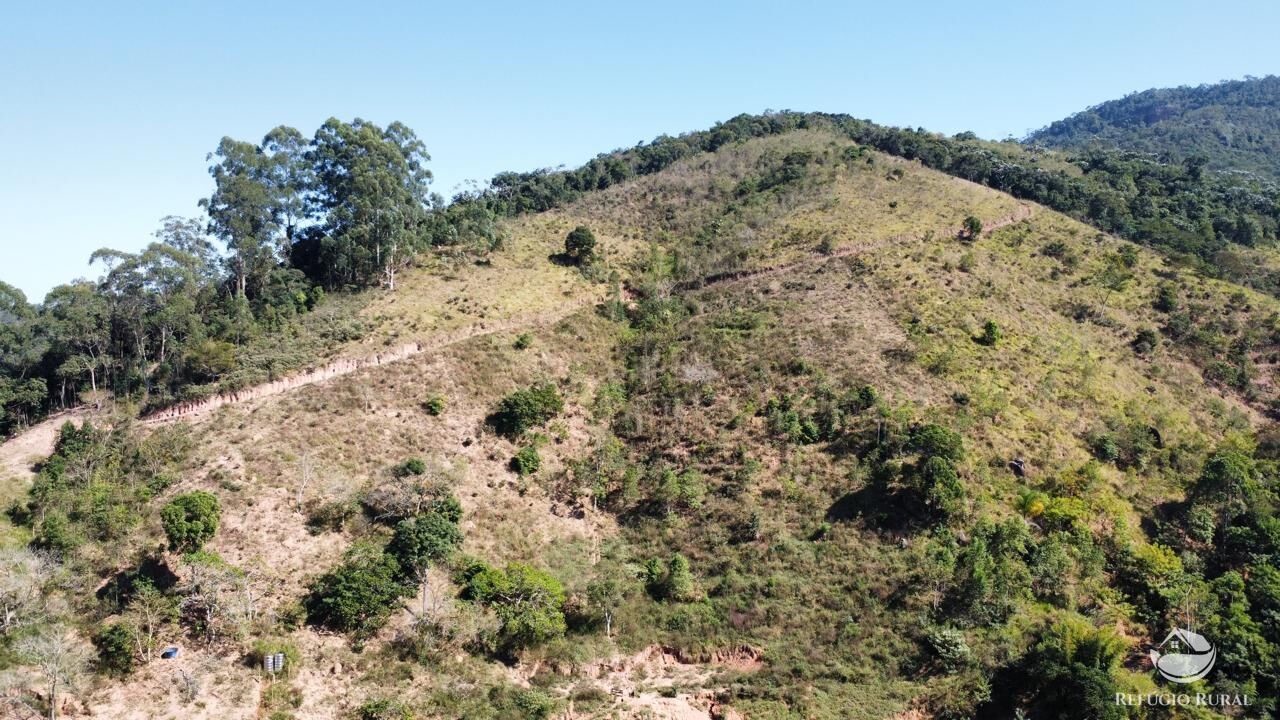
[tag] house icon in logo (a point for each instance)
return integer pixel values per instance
(1184, 656)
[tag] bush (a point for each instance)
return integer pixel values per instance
(329, 516)
(939, 486)
(1166, 298)
(115, 649)
(412, 466)
(524, 409)
(1145, 341)
(385, 709)
(190, 520)
(972, 227)
(271, 646)
(524, 341)
(526, 461)
(990, 333)
(679, 584)
(580, 244)
(434, 405)
(937, 441)
(358, 595)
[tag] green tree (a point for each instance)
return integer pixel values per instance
(76, 320)
(528, 601)
(972, 227)
(371, 192)
(358, 595)
(990, 333)
(243, 212)
(115, 649)
(580, 244)
(679, 584)
(421, 542)
(939, 486)
(526, 408)
(190, 520)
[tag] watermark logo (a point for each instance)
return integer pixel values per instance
(1184, 656)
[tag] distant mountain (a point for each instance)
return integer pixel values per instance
(1234, 124)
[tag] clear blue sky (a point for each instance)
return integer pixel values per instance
(106, 115)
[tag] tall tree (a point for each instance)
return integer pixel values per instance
(242, 211)
(76, 322)
(290, 178)
(372, 189)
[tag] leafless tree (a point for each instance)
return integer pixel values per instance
(60, 656)
(24, 579)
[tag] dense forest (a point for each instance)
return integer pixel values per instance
(1232, 125)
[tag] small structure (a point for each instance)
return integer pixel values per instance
(169, 653)
(1019, 467)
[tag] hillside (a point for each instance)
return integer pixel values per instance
(1234, 125)
(814, 431)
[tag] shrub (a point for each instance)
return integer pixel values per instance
(1104, 446)
(329, 516)
(580, 244)
(972, 227)
(1145, 341)
(115, 649)
(950, 648)
(358, 595)
(679, 582)
(990, 333)
(1166, 298)
(526, 408)
(937, 441)
(526, 461)
(190, 520)
(939, 486)
(524, 341)
(412, 466)
(384, 709)
(434, 405)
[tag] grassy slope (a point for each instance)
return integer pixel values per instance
(835, 619)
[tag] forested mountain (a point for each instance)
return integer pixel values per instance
(1232, 125)
(798, 417)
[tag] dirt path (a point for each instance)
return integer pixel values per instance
(19, 452)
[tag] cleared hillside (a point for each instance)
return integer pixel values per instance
(781, 483)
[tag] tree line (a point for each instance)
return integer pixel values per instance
(350, 208)
(288, 219)
(1180, 208)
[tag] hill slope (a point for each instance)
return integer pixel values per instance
(822, 453)
(1235, 125)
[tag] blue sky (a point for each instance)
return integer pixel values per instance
(107, 114)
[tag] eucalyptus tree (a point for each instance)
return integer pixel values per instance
(242, 211)
(371, 193)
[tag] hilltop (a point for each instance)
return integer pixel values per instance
(1233, 125)
(799, 426)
